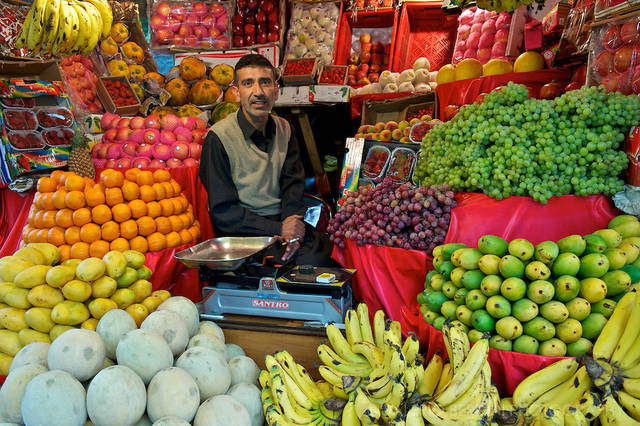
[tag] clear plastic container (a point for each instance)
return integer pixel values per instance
(18, 102)
(366, 183)
(401, 164)
(50, 117)
(25, 140)
(376, 161)
(19, 119)
(58, 136)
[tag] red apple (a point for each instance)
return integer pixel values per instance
(217, 9)
(173, 163)
(274, 26)
(580, 74)
(365, 58)
(238, 41)
(274, 15)
(174, 24)
(266, 6)
(261, 38)
(214, 33)
(373, 77)
(163, 36)
(365, 38)
(109, 136)
(191, 40)
(123, 163)
(249, 40)
(249, 29)
(365, 47)
(130, 149)
(222, 22)
(574, 85)
(199, 8)
(201, 32)
(261, 28)
(156, 164)
(375, 68)
(252, 4)
(359, 75)
(102, 151)
(364, 68)
(261, 17)
(377, 47)
(352, 69)
(354, 59)
(137, 123)
(144, 150)
(351, 80)
(221, 42)
(140, 162)
(158, 21)
(152, 121)
(110, 164)
(208, 21)
(363, 81)
(237, 20)
(237, 30)
(550, 91)
(163, 9)
(377, 58)
(190, 162)
(123, 134)
(185, 30)
(178, 40)
(194, 150)
(192, 20)
(198, 135)
(273, 37)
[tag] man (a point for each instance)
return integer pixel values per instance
(251, 168)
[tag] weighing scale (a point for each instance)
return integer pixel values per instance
(241, 279)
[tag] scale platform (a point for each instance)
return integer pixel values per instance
(252, 284)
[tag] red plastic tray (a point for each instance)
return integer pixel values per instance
(424, 30)
(363, 19)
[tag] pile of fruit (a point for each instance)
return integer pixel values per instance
(255, 23)
(152, 142)
(406, 131)
(312, 31)
(120, 92)
(416, 79)
(512, 145)
(552, 299)
(169, 369)
(299, 66)
(81, 80)
(42, 299)
(62, 27)
(138, 210)
(482, 35)
(394, 215)
(195, 86)
(333, 74)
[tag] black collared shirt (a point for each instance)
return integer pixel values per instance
(227, 215)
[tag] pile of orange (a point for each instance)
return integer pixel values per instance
(138, 210)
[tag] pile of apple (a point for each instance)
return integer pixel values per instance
(190, 24)
(390, 131)
(312, 31)
(152, 142)
(81, 80)
(365, 67)
(419, 78)
(482, 35)
(255, 22)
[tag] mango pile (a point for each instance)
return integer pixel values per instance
(40, 298)
(550, 299)
(136, 210)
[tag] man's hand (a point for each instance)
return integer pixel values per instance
(293, 227)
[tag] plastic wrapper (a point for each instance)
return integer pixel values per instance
(19, 119)
(628, 200)
(576, 34)
(25, 140)
(258, 22)
(49, 117)
(17, 103)
(11, 19)
(401, 164)
(376, 162)
(481, 35)
(366, 183)
(614, 57)
(355, 5)
(80, 81)
(312, 31)
(59, 136)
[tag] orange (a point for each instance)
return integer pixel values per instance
(72, 235)
(88, 182)
(120, 244)
(81, 216)
(74, 200)
(98, 248)
(168, 189)
(31, 219)
(156, 242)
(101, 214)
(130, 190)
(177, 189)
(48, 219)
(196, 224)
(113, 179)
(47, 201)
(110, 230)
(176, 223)
(33, 235)
(37, 200)
(173, 239)
(41, 236)
(55, 236)
(195, 232)
(64, 218)
(163, 225)
(147, 194)
(145, 177)
(114, 196)
(154, 209)
(94, 196)
(146, 225)
(121, 212)
(139, 244)
(138, 208)
(25, 232)
(55, 175)
(37, 219)
(159, 190)
(129, 229)
(185, 236)
(65, 251)
(167, 207)
(62, 178)
(74, 183)
(177, 205)
(46, 184)
(79, 250)
(90, 232)
(131, 174)
(58, 199)
(161, 175)
(186, 222)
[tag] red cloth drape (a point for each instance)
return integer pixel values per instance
(168, 273)
(466, 91)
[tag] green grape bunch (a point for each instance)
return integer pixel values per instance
(513, 145)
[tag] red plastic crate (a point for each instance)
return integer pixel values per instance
(424, 30)
(362, 19)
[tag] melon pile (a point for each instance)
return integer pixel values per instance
(172, 370)
(39, 301)
(135, 210)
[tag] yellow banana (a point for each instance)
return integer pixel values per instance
(563, 394)
(632, 386)
(331, 410)
(51, 19)
(506, 404)
(574, 417)
(410, 349)
(397, 394)
(293, 389)
(380, 390)
(632, 357)
(601, 371)
(382, 371)
(397, 363)
(367, 411)
(299, 375)
(396, 332)
(474, 395)
(409, 378)
(613, 414)
(435, 415)
(445, 377)
(419, 367)
(84, 27)
(65, 26)
(542, 381)
(431, 376)
(349, 416)
(590, 405)
(21, 40)
(288, 409)
(414, 416)
(388, 412)
(37, 24)
(341, 346)
(631, 403)
(75, 23)
(630, 333)
(325, 388)
(371, 352)
(365, 324)
(263, 378)
(463, 378)
(612, 331)
(378, 328)
(107, 15)
(96, 24)
(458, 345)
(352, 327)
(333, 360)
(551, 417)
(633, 372)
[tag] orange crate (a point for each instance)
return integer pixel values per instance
(424, 30)
(362, 19)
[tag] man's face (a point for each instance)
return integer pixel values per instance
(257, 91)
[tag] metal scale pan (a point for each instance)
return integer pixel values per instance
(225, 253)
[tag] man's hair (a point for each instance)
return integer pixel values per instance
(254, 60)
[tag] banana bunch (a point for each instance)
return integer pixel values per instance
(463, 393)
(64, 27)
(290, 396)
(505, 5)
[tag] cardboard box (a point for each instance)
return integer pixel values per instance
(330, 93)
(300, 79)
(324, 68)
(231, 57)
(393, 109)
(30, 70)
(107, 101)
(293, 95)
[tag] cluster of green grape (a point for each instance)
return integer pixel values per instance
(513, 145)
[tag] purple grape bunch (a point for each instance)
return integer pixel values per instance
(394, 215)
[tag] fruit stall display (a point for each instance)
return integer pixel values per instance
(139, 210)
(79, 75)
(195, 84)
(552, 299)
(165, 368)
(419, 78)
(257, 22)
(312, 31)
(482, 35)
(411, 130)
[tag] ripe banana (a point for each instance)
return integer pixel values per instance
(285, 400)
(339, 380)
(378, 328)
(574, 417)
(551, 417)
(389, 412)
(397, 363)
(473, 397)
(352, 327)
(84, 26)
(435, 415)
(410, 349)
(293, 389)
(325, 388)
(613, 414)
(590, 405)
(371, 352)
(463, 378)
(631, 403)
(431, 376)
(349, 416)
(96, 24)
(51, 19)
(263, 378)
(414, 416)
(632, 357)
(37, 24)
(299, 375)
(107, 16)
(630, 333)
(65, 26)
(331, 410)
(409, 378)
(21, 40)
(396, 332)
(612, 331)
(445, 377)
(633, 372)
(506, 404)
(563, 394)
(383, 371)
(600, 371)
(75, 24)
(397, 394)
(458, 345)
(380, 389)
(341, 346)
(542, 381)
(367, 411)
(365, 324)
(632, 386)
(331, 359)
